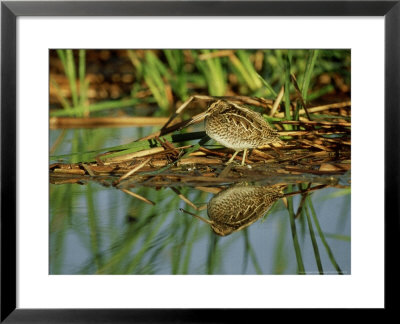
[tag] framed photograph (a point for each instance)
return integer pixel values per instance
(163, 159)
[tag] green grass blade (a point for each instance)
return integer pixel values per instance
(249, 251)
(58, 225)
(150, 235)
(212, 253)
(137, 63)
(63, 100)
(308, 73)
(320, 92)
(322, 236)
(153, 71)
(175, 59)
(189, 249)
(71, 74)
(314, 242)
(63, 59)
(82, 75)
(79, 110)
(93, 226)
(286, 94)
(213, 73)
(178, 77)
(280, 257)
(134, 146)
(245, 58)
(268, 86)
(243, 67)
(296, 245)
(345, 238)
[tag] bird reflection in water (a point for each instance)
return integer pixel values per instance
(239, 206)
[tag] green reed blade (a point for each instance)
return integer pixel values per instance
(308, 73)
(338, 193)
(158, 92)
(79, 110)
(212, 255)
(137, 63)
(83, 84)
(63, 100)
(178, 77)
(249, 251)
(72, 76)
(175, 59)
(314, 242)
(286, 94)
(58, 224)
(121, 249)
(268, 86)
(180, 229)
(93, 226)
(213, 73)
(150, 235)
(246, 242)
(322, 236)
(63, 59)
(189, 229)
(243, 68)
(280, 257)
(296, 245)
(345, 238)
(320, 92)
(134, 146)
(189, 248)
(245, 58)
(153, 75)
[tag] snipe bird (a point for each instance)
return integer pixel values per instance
(237, 127)
(239, 206)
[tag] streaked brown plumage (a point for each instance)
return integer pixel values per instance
(240, 206)
(238, 127)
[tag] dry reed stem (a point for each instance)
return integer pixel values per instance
(147, 201)
(221, 53)
(130, 156)
(183, 198)
(321, 147)
(88, 169)
(199, 160)
(277, 101)
(57, 142)
(213, 190)
(320, 108)
(70, 171)
(262, 154)
(135, 169)
(313, 122)
(314, 132)
(75, 122)
(305, 191)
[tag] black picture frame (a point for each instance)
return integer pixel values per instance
(10, 10)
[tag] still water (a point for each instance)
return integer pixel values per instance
(95, 229)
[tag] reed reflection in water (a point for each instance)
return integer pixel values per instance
(100, 230)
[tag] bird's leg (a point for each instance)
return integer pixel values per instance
(244, 156)
(233, 156)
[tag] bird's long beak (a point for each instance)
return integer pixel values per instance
(197, 216)
(198, 118)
